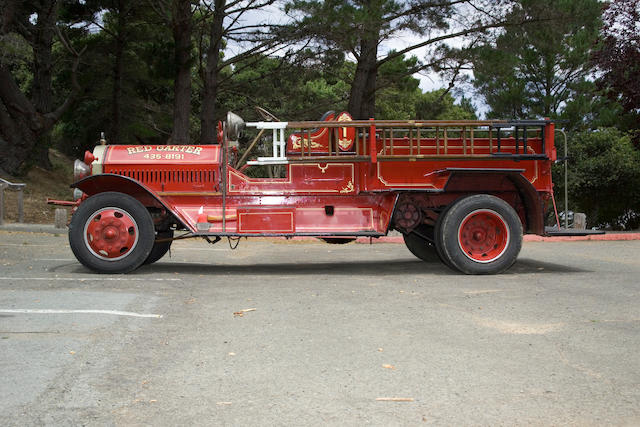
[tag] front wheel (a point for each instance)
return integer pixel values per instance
(160, 248)
(111, 233)
(480, 234)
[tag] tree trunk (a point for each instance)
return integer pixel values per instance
(25, 123)
(17, 139)
(116, 95)
(118, 73)
(208, 115)
(182, 28)
(362, 99)
(20, 126)
(42, 96)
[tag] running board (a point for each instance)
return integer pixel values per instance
(553, 231)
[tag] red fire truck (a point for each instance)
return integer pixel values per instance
(464, 190)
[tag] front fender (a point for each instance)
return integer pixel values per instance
(101, 183)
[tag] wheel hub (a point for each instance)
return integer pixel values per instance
(407, 216)
(111, 234)
(483, 235)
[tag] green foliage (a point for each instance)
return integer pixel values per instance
(290, 89)
(362, 28)
(16, 53)
(400, 98)
(397, 90)
(147, 81)
(538, 69)
(617, 56)
(604, 173)
(440, 105)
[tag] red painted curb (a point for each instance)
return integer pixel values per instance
(595, 237)
(529, 238)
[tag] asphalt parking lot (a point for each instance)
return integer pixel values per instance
(305, 333)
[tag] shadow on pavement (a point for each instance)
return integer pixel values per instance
(526, 266)
(391, 267)
(396, 267)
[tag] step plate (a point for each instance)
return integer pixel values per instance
(552, 231)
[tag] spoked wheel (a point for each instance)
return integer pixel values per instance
(479, 234)
(160, 248)
(420, 246)
(111, 233)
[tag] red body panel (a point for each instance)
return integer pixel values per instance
(304, 214)
(167, 169)
(352, 195)
(316, 141)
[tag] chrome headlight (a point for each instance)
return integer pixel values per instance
(77, 194)
(80, 170)
(235, 126)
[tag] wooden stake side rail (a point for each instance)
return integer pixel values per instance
(428, 139)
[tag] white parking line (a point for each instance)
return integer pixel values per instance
(46, 311)
(95, 279)
(29, 245)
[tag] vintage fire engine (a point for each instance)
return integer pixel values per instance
(465, 191)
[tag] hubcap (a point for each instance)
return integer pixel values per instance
(111, 234)
(483, 235)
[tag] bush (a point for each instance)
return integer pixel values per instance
(604, 178)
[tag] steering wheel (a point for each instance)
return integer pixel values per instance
(266, 115)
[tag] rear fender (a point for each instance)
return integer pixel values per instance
(463, 180)
(101, 183)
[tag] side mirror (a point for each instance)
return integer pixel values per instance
(235, 126)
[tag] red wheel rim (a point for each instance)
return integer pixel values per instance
(483, 235)
(111, 234)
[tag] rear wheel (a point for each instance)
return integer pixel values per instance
(160, 248)
(111, 233)
(480, 234)
(420, 246)
(438, 240)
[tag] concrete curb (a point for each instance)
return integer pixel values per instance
(33, 228)
(50, 229)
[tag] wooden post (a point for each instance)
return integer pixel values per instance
(446, 142)
(60, 218)
(373, 152)
(2, 187)
(21, 204)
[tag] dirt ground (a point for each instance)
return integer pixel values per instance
(41, 184)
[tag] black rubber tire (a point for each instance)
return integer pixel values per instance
(131, 206)
(337, 240)
(160, 248)
(437, 234)
(421, 248)
(448, 234)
